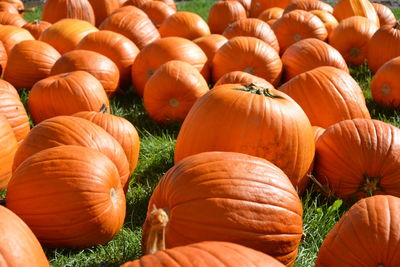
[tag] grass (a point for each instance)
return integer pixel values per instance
(156, 157)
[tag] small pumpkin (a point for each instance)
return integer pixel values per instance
(308, 5)
(258, 6)
(55, 10)
(157, 11)
(102, 9)
(11, 35)
(243, 78)
(385, 14)
(327, 18)
(223, 13)
(8, 145)
(36, 27)
(349, 8)
(271, 13)
(210, 45)
(11, 19)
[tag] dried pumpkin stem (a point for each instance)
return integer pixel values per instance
(370, 184)
(158, 220)
(259, 90)
(104, 109)
(397, 25)
(324, 188)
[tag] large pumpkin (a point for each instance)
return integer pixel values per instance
(8, 146)
(36, 27)
(70, 196)
(349, 8)
(11, 35)
(102, 9)
(233, 197)
(223, 13)
(157, 11)
(240, 118)
(55, 10)
(385, 15)
(308, 5)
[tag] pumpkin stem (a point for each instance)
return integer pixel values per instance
(396, 26)
(324, 188)
(36, 22)
(104, 109)
(259, 90)
(158, 220)
(370, 184)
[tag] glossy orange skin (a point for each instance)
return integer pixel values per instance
(68, 93)
(119, 128)
(55, 10)
(308, 5)
(8, 7)
(223, 13)
(8, 146)
(327, 95)
(243, 78)
(351, 150)
(11, 19)
(36, 27)
(210, 45)
(238, 196)
(207, 253)
(365, 236)
(131, 9)
(317, 132)
(102, 9)
(28, 62)
(157, 11)
(172, 90)
(18, 245)
(248, 54)
(298, 25)
(271, 13)
(159, 52)
(353, 33)
(136, 3)
(327, 18)
(8, 88)
(253, 28)
(70, 184)
(170, 3)
(349, 8)
(385, 14)
(18, 4)
(308, 54)
(65, 34)
(68, 130)
(258, 6)
(116, 47)
(101, 67)
(3, 58)
(239, 124)
(11, 35)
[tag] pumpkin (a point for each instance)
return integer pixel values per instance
(210, 45)
(223, 13)
(374, 223)
(11, 19)
(385, 14)
(269, 219)
(101, 67)
(157, 11)
(308, 54)
(68, 93)
(3, 58)
(136, 3)
(71, 184)
(383, 46)
(122, 2)
(68, 130)
(18, 245)
(271, 13)
(65, 34)
(18, 4)
(250, 55)
(130, 9)
(8, 7)
(8, 88)
(327, 18)
(138, 28)
(170, 3)
(271, 22)
(359, 158)
(116, 47)
(308, 5)
(184, 24)
(327, 95)
(102, 9)
(349, 8)
(298, 25)
(258, 6)
(28, 62)
(11, 35)
(172, 90)
(243, 78)
(236, 115)
(351, 38)
(36, 27)
(385, 84)
(209, 253)
(8, 145)
(254, 28)
(55, 10)
(317, 132)
(159, 52)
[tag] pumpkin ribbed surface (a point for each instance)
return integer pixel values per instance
(223, 13)
(308, 5)
(11, 35)
(11, 19)
(243, 78)
(8, 146)
(55, 10)
(258, 6)
(349, 8)
(210, 45)
(385, 15)
(102, 9)
(157, 11)
(37, 27)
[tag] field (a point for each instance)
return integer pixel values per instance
(156, 157)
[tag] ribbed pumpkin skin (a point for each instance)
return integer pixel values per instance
(172, 90)
(351, 38)
(159, 52)
(385, 14)
(258, 6)
(37, 27)
(8, 7)
(367, 235)
(18, 245)
(3, 58)
(55, 10)
(327, 18)
(11, 19)
(207, 253)
(130, 9)
(327, 95)
(28, 62)
(68, 93)
(308, 54)
(69, 196)
(353, 155)
(223, 13)
(11, 35)
(8, 88)
(271, 13)
(68, 130)
(170, 3)
(101, 67)
(65, 34)
(184, 24)
(210, 45)
(308, 5)
(298, 25)
(248, 54)
(383, 46)
(317, 132)
(136, 3)
(8, 146)
(349, 8)
(137, 28)
(242, 199)
(239, 124)
(253, 28)
(18, 4)
(102, 9)
(116, 47)
(243, 78)
(157, 11)
(119, 128)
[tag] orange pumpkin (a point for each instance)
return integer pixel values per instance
(258, 6)
(18, 4)
(223, 13)
(327, 18)
(3, 58)
(102, 9)
(172, 90)
(157, 11)
(8, 88)
(210, 45)
(29, 62)
(320, 89)
(385, 15)
(170, 3)
(11, 19)
(271, 13)
(159, 52)
(248, 54)
(36, 27)
(349, 8)
(55, 10)
(8, 7)
(317, 132)
(11, 35)
(243, 78)
(101, 67)
(136, 3)
(8, 145)
(130, 9)
(69, 92)
(308, 5)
